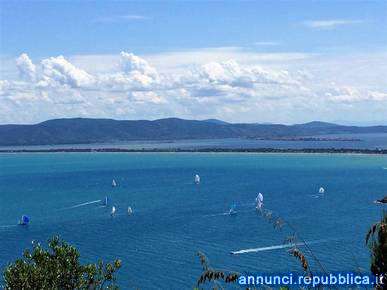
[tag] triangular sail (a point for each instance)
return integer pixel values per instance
(259, 200)
(232, 210)
(197, 179)
(321, 190)
(114, 183)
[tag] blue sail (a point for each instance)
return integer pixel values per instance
(25, 220)
(105, 201)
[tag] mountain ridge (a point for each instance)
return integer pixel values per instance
(90, 130)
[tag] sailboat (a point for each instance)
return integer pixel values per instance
(259, 201)
(24, 221)
(382, 200)
(105, 202)
(113, 210)
(197, 179)
(114, 183)
(130, 211)
(232, 210)
(321, 190)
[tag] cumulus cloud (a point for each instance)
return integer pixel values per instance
(58, 71)
(348, 94)
(25, 67)
(134, 73)
(228, 88)
(131, 63)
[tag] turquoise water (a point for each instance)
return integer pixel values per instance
(173, 218)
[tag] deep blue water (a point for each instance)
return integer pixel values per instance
(173, 218)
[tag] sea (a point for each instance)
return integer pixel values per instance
(174, 218)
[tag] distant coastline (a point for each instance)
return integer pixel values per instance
(310, 139)
(92, 131)
(199, 150)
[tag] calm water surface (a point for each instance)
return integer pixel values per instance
(173, 218)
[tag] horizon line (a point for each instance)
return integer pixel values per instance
(214, 120)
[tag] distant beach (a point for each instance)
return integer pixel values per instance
(203, 150)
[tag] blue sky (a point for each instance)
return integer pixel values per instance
(262, 61)
(75, 27)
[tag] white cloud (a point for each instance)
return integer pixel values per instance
(352, 95)
(331, 23)
(146, 97)
(134, 74)
(58, 71)
(228, 83)
(131, 63)
(25, 67)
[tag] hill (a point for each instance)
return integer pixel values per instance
(85, 131)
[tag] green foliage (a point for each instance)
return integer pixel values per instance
(58, 267)
(376, 240)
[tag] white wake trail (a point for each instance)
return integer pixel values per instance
(8, 226)
(83, 204)
(263, 249)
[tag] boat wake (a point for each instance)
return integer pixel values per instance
(7, 226)
(277, 247)
(217, 214)
(228, 213)
(83, 204)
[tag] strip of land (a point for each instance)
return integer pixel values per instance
(202, 150)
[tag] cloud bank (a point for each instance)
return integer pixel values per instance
(229, 84)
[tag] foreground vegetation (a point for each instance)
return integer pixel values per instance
(58, 267)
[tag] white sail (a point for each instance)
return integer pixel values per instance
(113, 210)
(259, 201)
(130, 211)
(232, 210)
(321, 190)
(197, 179)
(114, 183)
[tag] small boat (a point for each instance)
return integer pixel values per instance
(114, 183)
(24, 221)
(232, 210)
(259, 201)
(105, 202)
(197, 179)
(130, 211)
(321, 190)
(383, 200)
(113, 211)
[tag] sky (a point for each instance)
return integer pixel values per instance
(258, 61)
